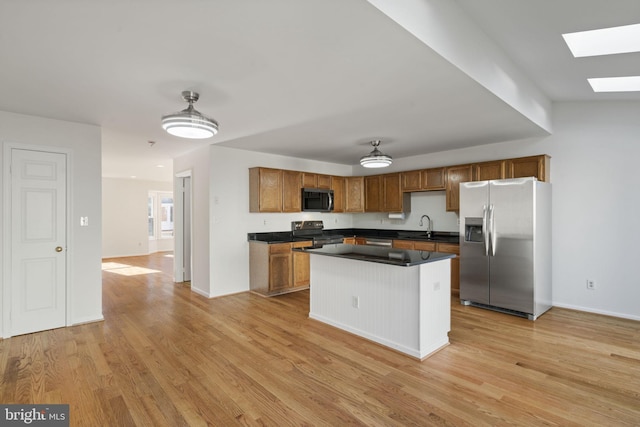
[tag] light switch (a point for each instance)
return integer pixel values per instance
(84, 221)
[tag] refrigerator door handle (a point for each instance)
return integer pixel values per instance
(485, 233)
(492, 230)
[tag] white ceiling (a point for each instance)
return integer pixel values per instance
(314, 79)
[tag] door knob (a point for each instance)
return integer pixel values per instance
(58, 248)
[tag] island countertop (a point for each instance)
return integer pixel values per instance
(383, 255)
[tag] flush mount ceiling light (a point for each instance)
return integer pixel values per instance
(189, 123)
(376, 158)
(604, 41)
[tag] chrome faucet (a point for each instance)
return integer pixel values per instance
(428, 224)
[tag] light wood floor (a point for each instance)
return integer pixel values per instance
(165, 356)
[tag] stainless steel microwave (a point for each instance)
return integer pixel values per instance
(317, 200)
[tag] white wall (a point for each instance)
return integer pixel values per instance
(124, 223)
(594, 154)
(197, 162)
(84, 246)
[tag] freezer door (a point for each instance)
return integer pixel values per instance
(511, 221)
(474, 262)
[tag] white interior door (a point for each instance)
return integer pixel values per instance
(38, 241)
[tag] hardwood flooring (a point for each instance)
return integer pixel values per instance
(165, 356)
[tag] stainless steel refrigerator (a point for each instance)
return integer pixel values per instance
(505, 245)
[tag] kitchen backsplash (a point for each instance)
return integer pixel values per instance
(430, 203)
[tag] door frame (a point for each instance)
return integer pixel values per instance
(178, 243)
(5, 279)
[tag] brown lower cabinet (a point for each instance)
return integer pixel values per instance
(448, 248)
(276, 269)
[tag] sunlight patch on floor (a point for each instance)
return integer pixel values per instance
(126, 270)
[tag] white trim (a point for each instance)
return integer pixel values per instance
(178, 225)
(596, 311)
(82, 321)
(5, 284)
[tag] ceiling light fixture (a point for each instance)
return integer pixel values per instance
(189, 123)
(376, 158)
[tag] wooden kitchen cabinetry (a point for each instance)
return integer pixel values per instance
(373, 193)
(434, 179)
(338, 187)
(456, 175)
(383, 193)
(452, 248)
(265, 190)
(415, 245)
(393, 200)
(301, 267)
(354, 194)
(314, 180)
(489, 170)
(412, 180)
(424, 180)
(275, 190)
(276, 269)
(291, 195)
(536, 166)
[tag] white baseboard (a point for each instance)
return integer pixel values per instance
(596, 311)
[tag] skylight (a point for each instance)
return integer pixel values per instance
(615, 84)
(605, 41)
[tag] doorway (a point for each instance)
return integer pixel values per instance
(183, 231)
(35, 283)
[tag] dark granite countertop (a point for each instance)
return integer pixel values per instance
(420, 235)
(398, 257)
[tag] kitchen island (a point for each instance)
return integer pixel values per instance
(397, 298)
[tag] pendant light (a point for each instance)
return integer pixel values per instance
(376, 158)
(189, 123)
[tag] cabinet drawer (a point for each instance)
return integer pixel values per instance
(449, 248)
(424, 246)
(403, 244)
(279, 248)
(305, 244)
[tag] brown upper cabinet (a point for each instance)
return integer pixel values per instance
(489, 170)
(314, 180)
(434, 179)
(411, 181)
(373, 193)
(324, 181)
(309, 180)
(276, 190)
(393, 200)
(383, 193)
(424, 180)
(265, 190)
(456, 175)
(537, 166)
(338, 187)
(354, 194)
(291, 194)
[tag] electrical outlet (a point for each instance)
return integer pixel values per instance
(355, 302)
(436, 286)
(591, 284)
